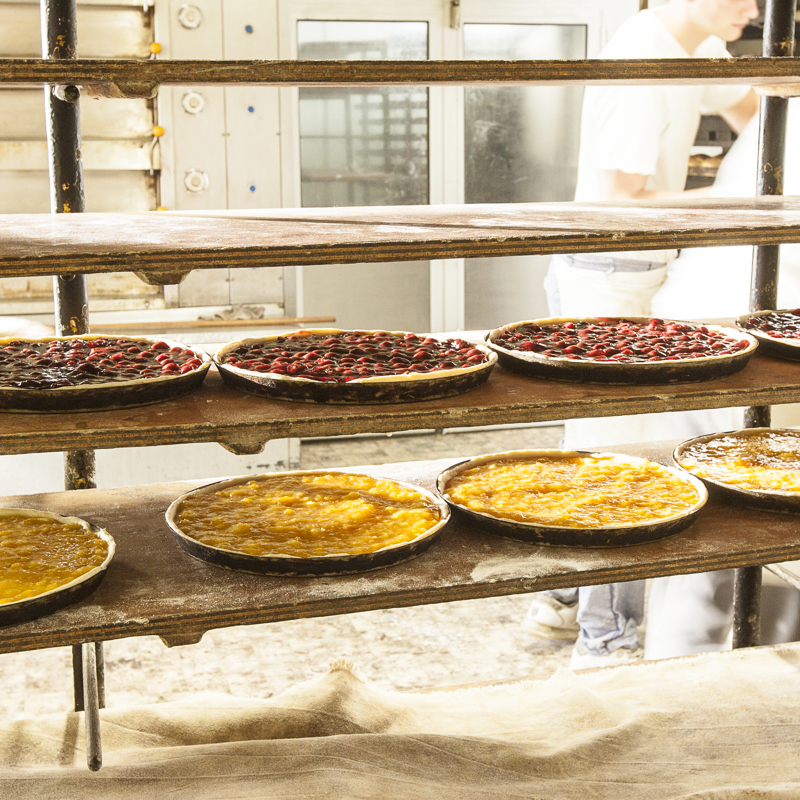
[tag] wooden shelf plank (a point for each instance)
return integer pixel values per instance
(153, 587)
(140, 78)
(44, 244)
(217, 414)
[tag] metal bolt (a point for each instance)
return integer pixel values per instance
(67, 93)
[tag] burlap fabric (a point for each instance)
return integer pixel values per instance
(723, 725)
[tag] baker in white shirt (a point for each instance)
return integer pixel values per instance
(635, 145)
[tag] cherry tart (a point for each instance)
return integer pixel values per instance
(84, 373)
(777, 332)
(621, 350)
(335, 366)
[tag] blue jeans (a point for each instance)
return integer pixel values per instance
(608, 615)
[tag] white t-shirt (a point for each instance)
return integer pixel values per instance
(709, 282)
(647, 130)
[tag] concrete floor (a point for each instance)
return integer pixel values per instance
(406, 649)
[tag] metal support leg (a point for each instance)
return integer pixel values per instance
(78, 681)
(778, 41)
(91, 697)
(88, 678)
(747, 607)
(62, 106)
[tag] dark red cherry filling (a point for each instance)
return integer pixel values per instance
(777, 324)
(76, 362)
(620, 340)
(353, 355)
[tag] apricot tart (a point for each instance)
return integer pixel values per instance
(759, 467)
(335, 366)
(47, 562)
(621, 350)
(307, 523)
(777, 332)
(572, 498)
(81, 373)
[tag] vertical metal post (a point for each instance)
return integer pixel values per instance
(746, 607)
(62, 108)
(78, 679)
(91, 714)
(778, 42)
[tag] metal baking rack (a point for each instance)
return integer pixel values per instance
(63, 72)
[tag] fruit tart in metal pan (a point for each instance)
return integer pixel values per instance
(336, 366)
(621, 350)
(755, 467)
(47, 562)
(314, 522)
(777, 332)
(91, 372)
(572, 498)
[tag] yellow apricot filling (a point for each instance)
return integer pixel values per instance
(307, 515)
(768, 461)
(38, 554)
(572, 491)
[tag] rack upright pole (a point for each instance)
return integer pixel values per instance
(779, 26)
(62, 106)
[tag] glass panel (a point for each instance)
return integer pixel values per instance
(521, 142)
(520, 145)
(362, 147)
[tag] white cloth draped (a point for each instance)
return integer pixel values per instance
(721, 725)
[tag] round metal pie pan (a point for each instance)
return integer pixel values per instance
(650, 372)
(32, 607)
(600, 536)
(762, 499)
(104, 396)
(408, 387)
(779, 348)
(314, 566)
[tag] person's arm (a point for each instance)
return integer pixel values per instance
(615, 185)
(737, 116)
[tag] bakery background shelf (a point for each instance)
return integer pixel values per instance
(140, 78)
(216, 414)
(45, 244)
(153, 587)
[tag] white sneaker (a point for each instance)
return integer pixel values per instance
(547, 618)
(583, 659)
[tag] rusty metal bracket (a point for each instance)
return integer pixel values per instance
(181, 639)
(244, 447)
(132, 91)
(163, 277)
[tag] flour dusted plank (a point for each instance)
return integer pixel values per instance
(137, 78)
(153, 587)
(165, 243)
(216, 414)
